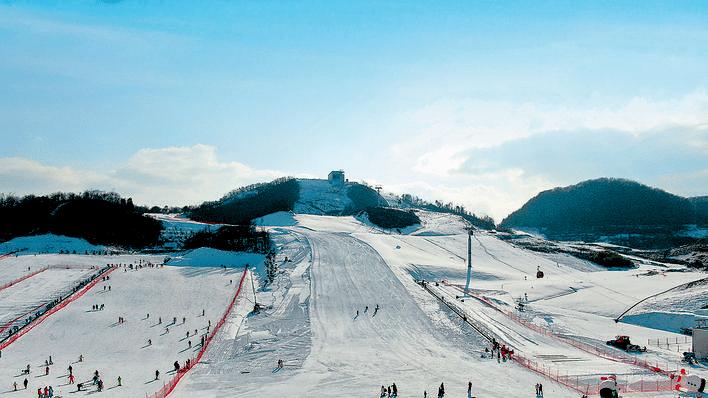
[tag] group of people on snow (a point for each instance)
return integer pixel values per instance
(48, 391)
(366, 309)
(539, 390)
(390, 391)
(502, 352)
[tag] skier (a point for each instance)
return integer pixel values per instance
(149, 341)
(540, 389)
(157, 374)
(469, 389)
(441, 391)
(51, 392)
(176, 365)
(184, 320)
(202, 311)
(27, 370)
(50, 361)
(71, 379)
(46, 370)
(81, 358)
(14, 386)
(25, 382)
(357, 313)
(537, 389)
(119, 381)
(189, 344)
(159, 320)
(394, 390)
(366, 309)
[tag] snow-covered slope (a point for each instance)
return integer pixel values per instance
(330, 269)
(208, 257)
(177, 228)
(114, 349)
(48, 243)
(321, 197)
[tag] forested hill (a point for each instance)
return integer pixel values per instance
(244, 204)
(99, 217)
(603, 205)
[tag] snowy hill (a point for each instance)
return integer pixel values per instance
(48, 243)
(321, 197)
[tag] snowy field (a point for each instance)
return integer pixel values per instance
(316, 320)
(114, 349)
(340, 265)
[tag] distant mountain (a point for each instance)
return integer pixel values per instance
(604, 206)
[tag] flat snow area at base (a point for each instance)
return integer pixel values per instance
(120, 349)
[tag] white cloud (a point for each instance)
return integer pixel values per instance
(173, 176)
(23, 176)
(434, 138)
(494, 194)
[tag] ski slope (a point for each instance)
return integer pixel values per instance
(348, 355)
(341, 265)
(330, 268)
(114, 349)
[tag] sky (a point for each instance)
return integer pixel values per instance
(479, 103)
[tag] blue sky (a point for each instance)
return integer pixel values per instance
(481, 103)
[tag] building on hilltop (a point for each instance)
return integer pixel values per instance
(336, 177)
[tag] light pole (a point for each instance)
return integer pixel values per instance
(469, 260)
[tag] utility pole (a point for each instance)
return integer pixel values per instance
(253, 287)
(469, 260)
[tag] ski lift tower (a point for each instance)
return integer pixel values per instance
(469, 259)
